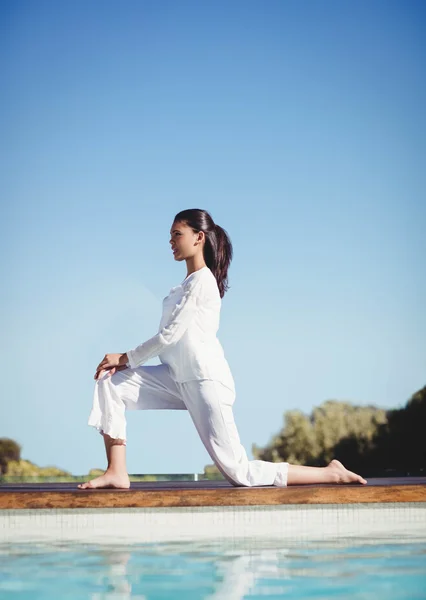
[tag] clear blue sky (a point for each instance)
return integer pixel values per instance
(299, 125)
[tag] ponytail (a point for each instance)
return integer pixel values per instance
(218, 250)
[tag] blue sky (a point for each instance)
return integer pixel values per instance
(299, 126)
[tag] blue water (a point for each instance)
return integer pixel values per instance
(214, 570)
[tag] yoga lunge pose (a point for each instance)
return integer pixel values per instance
(194, 374)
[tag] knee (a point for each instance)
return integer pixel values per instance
(105, 378)
(237, 476)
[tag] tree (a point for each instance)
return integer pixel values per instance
(212, 472)
(366, 439)
(313, 440)
(334, 422)
(9, 450)
(400, 443)
(296, 441)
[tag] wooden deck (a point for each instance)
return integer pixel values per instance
(207, 493)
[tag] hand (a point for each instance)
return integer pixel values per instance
(111, 363)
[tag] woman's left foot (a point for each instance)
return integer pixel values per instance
(342, 475)
(107, 480)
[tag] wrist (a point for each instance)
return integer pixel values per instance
(123, 360)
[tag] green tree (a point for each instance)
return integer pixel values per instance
(296, 441)
(212, 472)
(335, 421)
(25, 468)
(22, 468)
(9, 450)
(312, 440)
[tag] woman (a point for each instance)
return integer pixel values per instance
(193, 375)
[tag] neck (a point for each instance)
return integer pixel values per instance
(194, 264)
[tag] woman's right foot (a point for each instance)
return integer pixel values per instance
(107, 480)
(341, 474)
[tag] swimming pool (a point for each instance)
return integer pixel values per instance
(215, 570)
(202, 540)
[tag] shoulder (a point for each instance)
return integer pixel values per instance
(209, 285)
(203, 282)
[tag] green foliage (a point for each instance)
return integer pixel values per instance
(27, 469)
(21, 468)
(311, 439)
(143, 478)
(362, 437)
(9, 450)
(212, 472)
(95, 473)
(296, 441)
(336, 421)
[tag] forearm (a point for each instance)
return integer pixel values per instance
(139, 355)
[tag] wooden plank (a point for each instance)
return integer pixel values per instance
(177, 496)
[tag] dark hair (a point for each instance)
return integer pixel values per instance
(217, 249)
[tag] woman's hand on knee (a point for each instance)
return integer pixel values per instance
(111, 363)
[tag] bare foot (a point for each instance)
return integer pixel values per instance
(107, 480)
(342, 475)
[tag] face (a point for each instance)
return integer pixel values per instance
(184, 242)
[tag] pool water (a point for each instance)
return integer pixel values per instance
(213, 570)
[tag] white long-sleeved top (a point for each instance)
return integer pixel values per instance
(186, 340)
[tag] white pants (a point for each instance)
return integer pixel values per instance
(208, 402)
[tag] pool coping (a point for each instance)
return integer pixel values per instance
(208, 493)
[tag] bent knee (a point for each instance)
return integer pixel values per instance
(237, 476)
